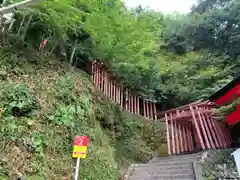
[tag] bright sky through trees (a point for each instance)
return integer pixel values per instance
(165, 6)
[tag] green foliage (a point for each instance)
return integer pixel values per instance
(217, 164)
(16, 99)
(227, 109)
(38, 142)
(174, 59)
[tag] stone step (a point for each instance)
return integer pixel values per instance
(165, 166)
(156, 160)
(180, 156)
(168, 172)
(176, 163)
(177, 157)
(163, 177)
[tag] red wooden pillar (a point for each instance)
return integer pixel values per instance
(117, 93)
(121, 93)
(197, 141)
(173, 137)
(144, 109)
(94, 73)
(180, 131)
(177, 134)
(110, 92)
(218, 135)
(114, 92)
(192, 133)
(126, 100)
(208, 128)
(105, 82)
(109, 88)
(221, 135)
(229, 136)
(98, 77)
(214, 129)
(132, 104)
(197, 128)
(151, 111)
(168, 138)
(189, 136)
(211, 129)
(185, 138)
(135, 104)
(129, 102)
(101, 80)
(203, 127)
(147, 107)
(224, 131)
(138, 106)
(184, 134)
(155, 112)
(92, 69)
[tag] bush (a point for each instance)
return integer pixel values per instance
(16, 100)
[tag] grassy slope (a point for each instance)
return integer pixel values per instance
(50, 106)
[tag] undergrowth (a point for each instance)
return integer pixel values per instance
(43, 106)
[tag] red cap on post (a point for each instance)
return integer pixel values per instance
(81, 140)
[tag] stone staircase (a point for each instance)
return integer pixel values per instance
(182, 167)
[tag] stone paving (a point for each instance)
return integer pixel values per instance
(183, 167)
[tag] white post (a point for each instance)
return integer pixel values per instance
(236, 155)
(77, 169)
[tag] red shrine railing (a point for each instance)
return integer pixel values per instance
(190, 128)
(120, 95)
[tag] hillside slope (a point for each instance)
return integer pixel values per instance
(43, 106)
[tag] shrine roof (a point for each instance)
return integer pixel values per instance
(221, 92)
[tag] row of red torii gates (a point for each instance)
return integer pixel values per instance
(190, 128)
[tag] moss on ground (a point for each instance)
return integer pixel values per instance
(43, 106)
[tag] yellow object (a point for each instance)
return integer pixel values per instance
(79, 151)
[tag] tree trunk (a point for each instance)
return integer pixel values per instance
(26, 28)
(11, 25)
(21, 24)
(73, 52)
(1, 20)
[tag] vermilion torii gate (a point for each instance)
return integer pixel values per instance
(190, 128)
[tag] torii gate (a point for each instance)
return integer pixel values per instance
(192, 128)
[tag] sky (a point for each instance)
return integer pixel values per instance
(165, 6)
